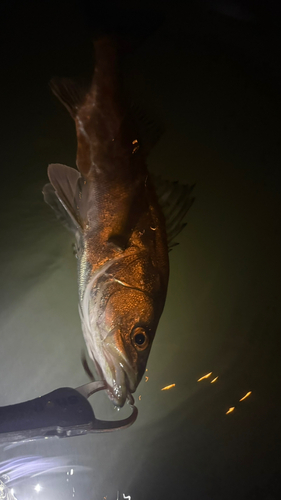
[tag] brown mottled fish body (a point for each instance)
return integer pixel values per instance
(111, 205)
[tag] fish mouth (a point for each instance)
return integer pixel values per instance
(107, 349)
(118, 374)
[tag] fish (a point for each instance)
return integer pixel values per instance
(124, 221)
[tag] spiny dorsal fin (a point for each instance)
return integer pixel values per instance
(175, 200)
(70, 93)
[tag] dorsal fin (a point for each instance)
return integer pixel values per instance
(175, 200)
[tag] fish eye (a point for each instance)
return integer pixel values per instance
(140, 338)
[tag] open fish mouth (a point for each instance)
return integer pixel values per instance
(119, 375)
(118, 388)
(121, 379)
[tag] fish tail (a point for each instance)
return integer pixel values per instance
(70, 94)
(106, 55)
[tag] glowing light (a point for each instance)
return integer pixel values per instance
(71, 472)
(146, 379)
(168, 387)
(127, 497)
(38, 488)
(136, 147)
(146, 370)
(139, 398)
(153, 228)
(230, 410)
(214, 380)
(204, 376)
(246, 395)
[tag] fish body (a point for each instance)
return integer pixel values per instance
(111, 205)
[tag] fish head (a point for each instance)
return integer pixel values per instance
(120, 338)
(130, 320)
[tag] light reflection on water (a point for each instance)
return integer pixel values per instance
(26, 476)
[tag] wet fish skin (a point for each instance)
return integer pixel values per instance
(111, 206)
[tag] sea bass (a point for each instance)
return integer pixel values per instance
(116, 212)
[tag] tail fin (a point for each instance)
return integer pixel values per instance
(70, 93)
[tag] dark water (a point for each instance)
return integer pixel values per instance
(212, 73)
